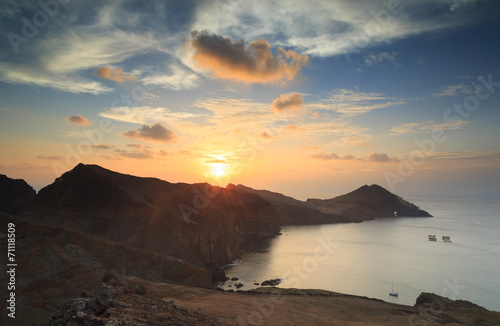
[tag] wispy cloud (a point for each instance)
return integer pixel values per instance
(381, 58)
(148, 114)
(373, 157)
(32, 75)
(256, 63)
(352, 102)
(428, 126)
(454, 90)
(179, 78)
(50, 157)
(329, 28)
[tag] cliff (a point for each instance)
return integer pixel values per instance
(204, 225)
(14, 194)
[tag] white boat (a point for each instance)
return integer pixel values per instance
(446, 238)
(392, 293)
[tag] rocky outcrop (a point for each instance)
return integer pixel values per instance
(108, 305)
(368, 202)
(14, 194)
(272, 282)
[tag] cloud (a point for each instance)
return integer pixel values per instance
(217, 161)
(341, 27)
(374, 157)
(147, 114)
(31, 75)
(381, 158)
(156, 132)
(379, 59)
(293, 128)
(116, 75)
(78, 120)
(137, 146)
(454, 90)
(355, 102)
(256, 63)
(429, 126)
(54, 157)
(288, 102)
(332, 156)
(310, 148)
(265, 135)
(180, 78)
(104, 146)
(139, 155)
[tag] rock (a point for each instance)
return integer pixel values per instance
(234, 279)
(140, 289)
(273, 282)
(238, 285)
(15, 194)
(256, 283)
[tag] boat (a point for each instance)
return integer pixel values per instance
(432, 237)
(392, 293)
(446, 238)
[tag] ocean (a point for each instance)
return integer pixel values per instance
(370, 258)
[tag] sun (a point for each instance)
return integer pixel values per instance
(218, 169)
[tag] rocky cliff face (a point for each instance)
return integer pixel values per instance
(55, 264)
(14, 194)
(368, 202)
(204, 225)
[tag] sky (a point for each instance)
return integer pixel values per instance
(307, 98)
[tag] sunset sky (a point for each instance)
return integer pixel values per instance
(307, 98)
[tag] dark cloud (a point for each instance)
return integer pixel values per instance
(381, 158)
(78, 119)
(333, 156)
(256, 63)
(156, 132)
(288, 102)
(137, 146)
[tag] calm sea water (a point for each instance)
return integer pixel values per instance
(367, 258)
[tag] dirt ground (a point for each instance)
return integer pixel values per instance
(274, 306)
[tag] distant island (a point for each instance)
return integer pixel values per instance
(93, 225)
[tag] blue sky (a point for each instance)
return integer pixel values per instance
(308, 98)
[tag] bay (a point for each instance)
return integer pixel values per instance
(367, 258)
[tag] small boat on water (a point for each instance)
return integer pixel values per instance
(392, 293)
(432, 237)
(446, 238)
